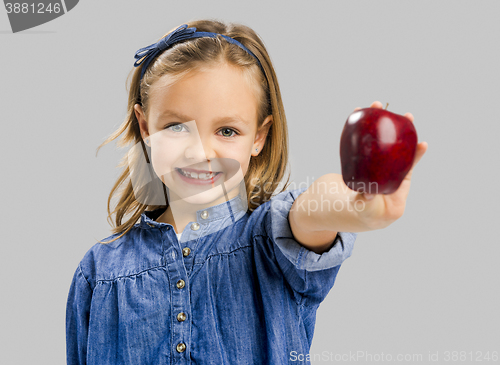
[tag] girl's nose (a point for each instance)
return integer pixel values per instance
(198, 150)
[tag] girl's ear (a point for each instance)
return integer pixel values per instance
(141, 118)
(260, 137)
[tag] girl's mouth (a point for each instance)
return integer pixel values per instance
(198, 177)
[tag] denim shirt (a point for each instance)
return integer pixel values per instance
(244, 294)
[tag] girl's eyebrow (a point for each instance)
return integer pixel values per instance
(227, 119)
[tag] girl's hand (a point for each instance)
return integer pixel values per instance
(383, 209)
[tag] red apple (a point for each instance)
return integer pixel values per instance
(377, 149)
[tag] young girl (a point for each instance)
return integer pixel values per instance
(205, 265)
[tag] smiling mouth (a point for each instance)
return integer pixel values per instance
(197, 174)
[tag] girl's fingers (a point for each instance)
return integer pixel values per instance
(421, 149)
(378, 104)
(409, 116)
(375, 104)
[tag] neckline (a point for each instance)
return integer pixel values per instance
(234, 208)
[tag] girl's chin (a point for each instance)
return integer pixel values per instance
(202, 195)
(201, 198)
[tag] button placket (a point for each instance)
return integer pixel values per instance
(181, 328)
(180, 297)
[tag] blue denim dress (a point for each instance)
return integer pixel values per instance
(246, 293)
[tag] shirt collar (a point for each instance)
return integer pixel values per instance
(234, 208)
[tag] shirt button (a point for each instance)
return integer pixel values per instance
(181, 347)
(195, 226)
(204, 214)
(151, 225)
(186, 251)
(180, 284)
(181, 317)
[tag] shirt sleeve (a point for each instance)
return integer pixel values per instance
(309, 274)
(77, 319)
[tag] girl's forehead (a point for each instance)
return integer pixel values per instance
(224, 89)
(218, 75)
(209, 75)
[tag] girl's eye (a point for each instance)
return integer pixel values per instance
(226, 131)
(175, 127)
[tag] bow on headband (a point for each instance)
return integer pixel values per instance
(147, 54)
(150, 52)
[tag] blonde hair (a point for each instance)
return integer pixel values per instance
(265, 170)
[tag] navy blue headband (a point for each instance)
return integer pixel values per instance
(147, 54)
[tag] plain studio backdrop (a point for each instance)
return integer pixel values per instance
(426, 286)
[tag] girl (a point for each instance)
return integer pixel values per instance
(205, 265)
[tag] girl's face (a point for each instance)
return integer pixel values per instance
(203, 132)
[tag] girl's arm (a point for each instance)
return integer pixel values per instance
(328, 206)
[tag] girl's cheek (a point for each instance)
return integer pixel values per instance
(163, 160)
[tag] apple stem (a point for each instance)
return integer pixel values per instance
(386, 105)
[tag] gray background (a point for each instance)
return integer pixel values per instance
(429, 283)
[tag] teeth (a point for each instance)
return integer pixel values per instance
(194, 175)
